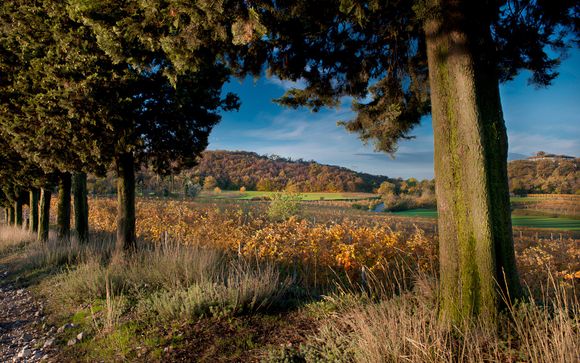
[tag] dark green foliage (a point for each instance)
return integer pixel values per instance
(83, 91)
(374, 51)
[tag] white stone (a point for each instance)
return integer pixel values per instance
(80, 336)
(48, 343)
(24, 353)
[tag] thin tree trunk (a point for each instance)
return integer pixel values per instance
(18, 211)
(11, 216)
(126, 238)
(81, 206)
(44, 219)
(63, 206)
(475, 233)
(34, 210)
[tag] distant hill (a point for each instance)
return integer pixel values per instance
(236, 169)
(231, 170)
(546, 174)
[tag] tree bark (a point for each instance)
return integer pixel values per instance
(81, 206)
(475, 233)
(63, 206)
(34, 210)
(44, 219)
(11, 216)
(18, 212)
(126, 237)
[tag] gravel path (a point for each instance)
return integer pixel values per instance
(24, 337)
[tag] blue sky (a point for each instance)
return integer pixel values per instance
(545, 119)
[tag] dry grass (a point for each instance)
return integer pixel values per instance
(11, 238)
(407, 328)
(158, 283)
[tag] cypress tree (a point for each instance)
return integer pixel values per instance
(401, 60)
(165, 117)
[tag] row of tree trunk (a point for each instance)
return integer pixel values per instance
(39, 206)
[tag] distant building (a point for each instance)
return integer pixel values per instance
(540, 155)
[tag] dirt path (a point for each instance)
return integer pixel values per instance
(23, 335)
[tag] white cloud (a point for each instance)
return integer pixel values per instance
(528, 144)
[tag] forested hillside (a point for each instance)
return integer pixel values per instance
(544, 176)
(232, 170)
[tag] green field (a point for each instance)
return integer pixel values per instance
(248, 195)
(560, 223)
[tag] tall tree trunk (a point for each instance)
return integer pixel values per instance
(44, 219)
(11, 216)
(81, 206)
(63, 206)
(18, 211)
(34, 210)
(126, 239)
(475, 233)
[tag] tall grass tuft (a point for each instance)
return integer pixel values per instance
(407, 328)
(164, 282)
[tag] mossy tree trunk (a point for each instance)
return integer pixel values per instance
(18, 212)
(34, 194)
(81, 206)
(126, 238)
(63, 206)
(475, 233)
(44, 218)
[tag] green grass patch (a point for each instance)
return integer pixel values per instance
(249, 195)
(531, 221)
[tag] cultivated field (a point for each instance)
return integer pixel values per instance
(220, 280)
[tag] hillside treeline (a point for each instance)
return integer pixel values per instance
(544, 176)
(232, 170)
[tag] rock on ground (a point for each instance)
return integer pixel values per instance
(22, 332)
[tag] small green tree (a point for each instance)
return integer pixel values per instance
(284, 205)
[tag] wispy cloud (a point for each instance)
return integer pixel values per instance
(286, 84)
